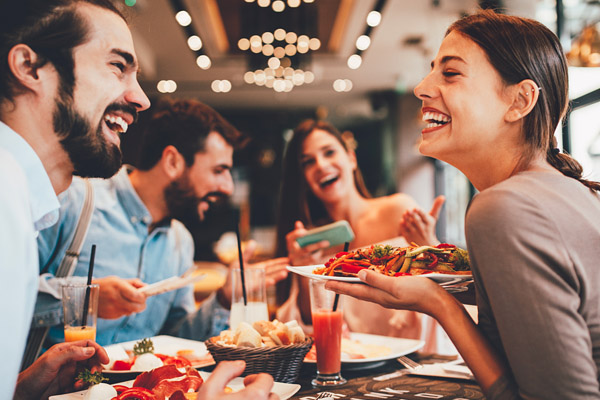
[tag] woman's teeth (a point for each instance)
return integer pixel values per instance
(116, 123)
(328, 180)
(434, 119)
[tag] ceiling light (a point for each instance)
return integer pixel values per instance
(291, 37)
(166, 86)
(215, 86)
(585, 49)
(249, 1)
(244, 44)
(279, 34)
(286, 62)
(225, 86)
(279, 52)
(203, 62)
(363, 42)
(264, 3)
(183, 18)
(267, 37)
(249, 77)
(267, 50)
(348, 84)
(339, 85)
(374, 18)
(290, 50)
(308, 1)
(278, 6)
(354, 61)
(194, 42)
(274, 62)
(314, 44)
(309, 77)
(293, 3)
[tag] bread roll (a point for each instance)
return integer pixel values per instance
(264, 327)
(247, 336)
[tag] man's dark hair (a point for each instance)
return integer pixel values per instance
(184, 124)
(52, 28)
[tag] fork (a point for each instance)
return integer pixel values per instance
(409, 364)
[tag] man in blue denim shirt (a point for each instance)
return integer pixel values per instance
(186, 158)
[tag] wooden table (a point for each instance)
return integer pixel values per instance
(388, 382)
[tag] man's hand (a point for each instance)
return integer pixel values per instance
(56, 370)
(419, 227)
(119, 297)
(308, 255)
(258, 387)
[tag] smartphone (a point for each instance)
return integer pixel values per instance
(335, 233)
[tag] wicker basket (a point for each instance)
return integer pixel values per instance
(281, 362)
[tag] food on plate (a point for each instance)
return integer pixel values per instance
(98, 389)
(355, 350)
(262, 334)
(397, 261)
(143, 358)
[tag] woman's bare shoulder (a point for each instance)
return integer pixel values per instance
(394, 203)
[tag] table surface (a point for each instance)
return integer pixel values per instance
(388, 381)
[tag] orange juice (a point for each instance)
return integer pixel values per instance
(73, 333)
(327, 326)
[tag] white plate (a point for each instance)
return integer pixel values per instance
(163, 344)
(398, 346)
(453, 369)
(283, 390)
(307, 271)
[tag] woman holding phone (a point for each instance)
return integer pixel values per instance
(496, 92)
(322, 184)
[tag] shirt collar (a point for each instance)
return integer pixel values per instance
(43, 200)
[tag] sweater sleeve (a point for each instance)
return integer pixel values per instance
(529, 294)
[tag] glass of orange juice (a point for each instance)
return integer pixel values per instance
(80, 307)
(327, 326)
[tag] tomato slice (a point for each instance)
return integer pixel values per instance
(122, 365)
(351, 268)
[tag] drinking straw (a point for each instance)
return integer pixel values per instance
(241, 258)
(337, 295)
(86, 303)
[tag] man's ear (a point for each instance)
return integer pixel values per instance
(172, 162)
(524, 96)
(23, 63)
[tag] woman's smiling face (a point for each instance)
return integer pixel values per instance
(327, 166)
(464, 102)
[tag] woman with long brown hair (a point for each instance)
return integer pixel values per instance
(322, 184)
(496, 92)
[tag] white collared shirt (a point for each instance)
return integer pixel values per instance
(27, 204)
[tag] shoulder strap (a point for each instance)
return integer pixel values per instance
(37, 336)
(72, 255)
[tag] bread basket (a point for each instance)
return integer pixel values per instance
(281, 362)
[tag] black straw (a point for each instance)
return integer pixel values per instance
(86, 303)
(243, 279)
(337, 295)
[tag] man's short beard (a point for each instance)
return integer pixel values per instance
(91, 154)
(181, 199)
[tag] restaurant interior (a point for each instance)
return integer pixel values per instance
(267, 65)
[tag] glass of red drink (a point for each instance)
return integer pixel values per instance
(327, 325)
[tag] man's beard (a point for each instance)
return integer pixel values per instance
(182, 202)
(91, 154)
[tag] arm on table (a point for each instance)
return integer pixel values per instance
(423, 295)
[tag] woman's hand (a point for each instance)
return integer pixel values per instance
(308, 255)
(419, 227)
(414, 293)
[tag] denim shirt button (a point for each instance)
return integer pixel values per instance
(134, 220)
